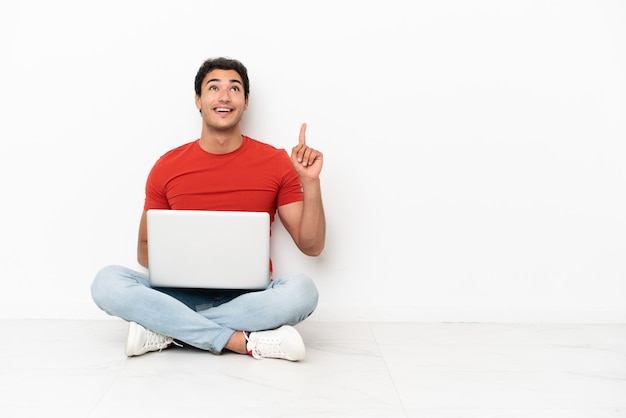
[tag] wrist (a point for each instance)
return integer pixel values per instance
(307, 181)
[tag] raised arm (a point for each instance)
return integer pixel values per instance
(305, 221)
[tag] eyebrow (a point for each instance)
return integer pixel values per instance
(234, 80)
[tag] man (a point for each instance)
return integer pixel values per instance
(224, 170)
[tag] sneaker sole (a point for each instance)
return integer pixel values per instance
(131, 339)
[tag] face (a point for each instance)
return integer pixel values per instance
(222, 100)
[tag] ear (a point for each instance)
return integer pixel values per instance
(245, 104)
(198, 103)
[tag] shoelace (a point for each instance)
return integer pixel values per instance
(155, 340)
(266, 347)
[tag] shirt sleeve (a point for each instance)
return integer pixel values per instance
(155, 190)
(291, 188)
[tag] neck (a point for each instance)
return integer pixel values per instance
(221, 142)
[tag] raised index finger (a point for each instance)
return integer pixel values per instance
(302, 140)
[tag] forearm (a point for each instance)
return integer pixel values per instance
(312, 234)
(142, 241)
(142, 253)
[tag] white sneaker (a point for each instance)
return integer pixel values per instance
(283, 342)
(141, 340)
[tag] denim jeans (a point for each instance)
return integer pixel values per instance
(203, 318)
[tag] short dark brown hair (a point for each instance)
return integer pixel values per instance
(222, 63)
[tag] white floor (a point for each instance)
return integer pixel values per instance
(78, 369)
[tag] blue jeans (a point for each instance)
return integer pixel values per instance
(203, 318)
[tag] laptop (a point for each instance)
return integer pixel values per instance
(208, 249)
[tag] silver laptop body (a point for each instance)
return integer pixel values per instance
(208, 249)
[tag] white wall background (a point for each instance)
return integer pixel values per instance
(474, 150)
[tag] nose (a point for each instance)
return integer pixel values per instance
(224, 96)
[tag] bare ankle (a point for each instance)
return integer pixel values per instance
(237, 343)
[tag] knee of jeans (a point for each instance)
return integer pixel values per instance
(306, 297)
(101, 288)
(312, 293)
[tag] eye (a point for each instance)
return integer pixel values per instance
(212, 88)
(235, 88)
